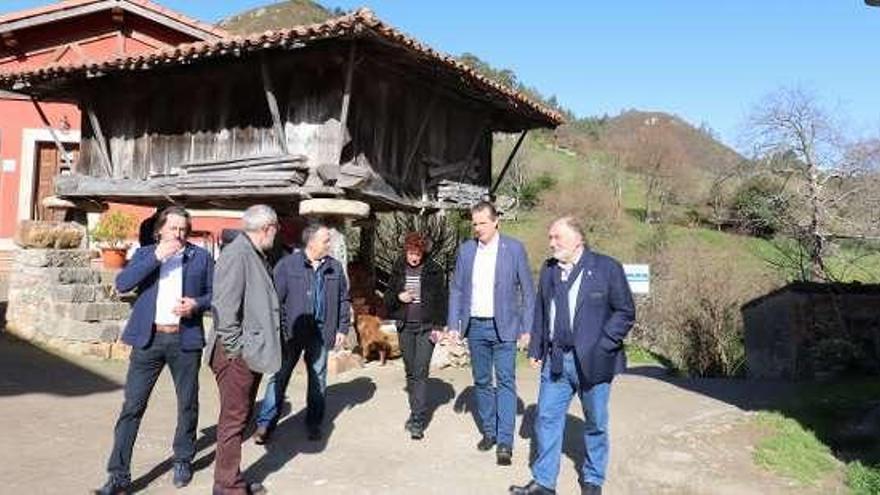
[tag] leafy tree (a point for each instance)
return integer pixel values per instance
(760, 207)
(509, 78)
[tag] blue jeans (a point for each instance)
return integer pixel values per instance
(316, 364)
(496, 403)
(554, 398)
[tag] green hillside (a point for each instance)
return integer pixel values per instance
(278, 15)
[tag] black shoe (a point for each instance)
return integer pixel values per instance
(486, 443)
(261, 436)
(315, 433)
(114, 486)
(504, 455)
(417, 431)
(256, 489)
(533, 488)
(409, 424)
(183, 474)
(591, 489)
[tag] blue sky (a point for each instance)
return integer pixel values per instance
(707, 61)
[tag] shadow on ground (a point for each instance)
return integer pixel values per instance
(289, 437)
(844, 415)
(466, 403)
(748, 395)
(206, 439)
(28, 369)
(439, 393)
(572, 441)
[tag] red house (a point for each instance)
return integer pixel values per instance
(33, 132)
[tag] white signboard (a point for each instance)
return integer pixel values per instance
(9, 165)
(639, 278)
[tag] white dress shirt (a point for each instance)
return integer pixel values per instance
(170, 290)
(483, 279)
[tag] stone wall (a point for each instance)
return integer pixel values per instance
(810, 330)
(57, 299)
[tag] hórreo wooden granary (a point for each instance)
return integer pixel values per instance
(349, 108)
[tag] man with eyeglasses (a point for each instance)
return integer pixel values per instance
(246, 341)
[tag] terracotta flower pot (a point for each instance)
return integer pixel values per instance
(113, 258)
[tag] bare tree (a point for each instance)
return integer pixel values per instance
(801, 141)
(658, 157)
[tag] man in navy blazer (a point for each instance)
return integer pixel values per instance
(583, 312)
(173, 281)
(491, 301)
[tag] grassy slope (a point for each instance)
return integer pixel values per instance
(279, 15)
(805, 435)
(798, 437)
(570, 170)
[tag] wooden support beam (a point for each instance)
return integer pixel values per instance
(272, 102)
(99, 136)
(346, 95)
(332, 169)
(519, 142)
(418, 140)
(62, 152)
(474, 145)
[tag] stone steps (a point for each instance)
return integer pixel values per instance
(88, 331)
(56, 296)
(83, 293)
(91, 311)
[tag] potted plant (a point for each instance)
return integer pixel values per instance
(111, 235)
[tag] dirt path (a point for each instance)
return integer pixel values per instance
(679, 437)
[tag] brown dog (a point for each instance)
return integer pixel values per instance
(372, 339)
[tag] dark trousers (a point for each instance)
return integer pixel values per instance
(144, 367)
(416, 347)
(238, 389)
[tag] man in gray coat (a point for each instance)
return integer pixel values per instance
(246, 341)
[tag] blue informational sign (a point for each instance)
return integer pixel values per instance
(639, 278)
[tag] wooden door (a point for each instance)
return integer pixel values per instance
(47, 167)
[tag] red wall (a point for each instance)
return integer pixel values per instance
(291, 227)
(16, 115)
(94, 36)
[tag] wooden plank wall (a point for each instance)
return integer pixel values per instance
(154, 121)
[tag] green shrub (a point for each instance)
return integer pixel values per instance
(530, 193)
(114, 228)
(759, 207)
(862, 479)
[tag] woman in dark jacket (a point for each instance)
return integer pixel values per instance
(417, 299)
